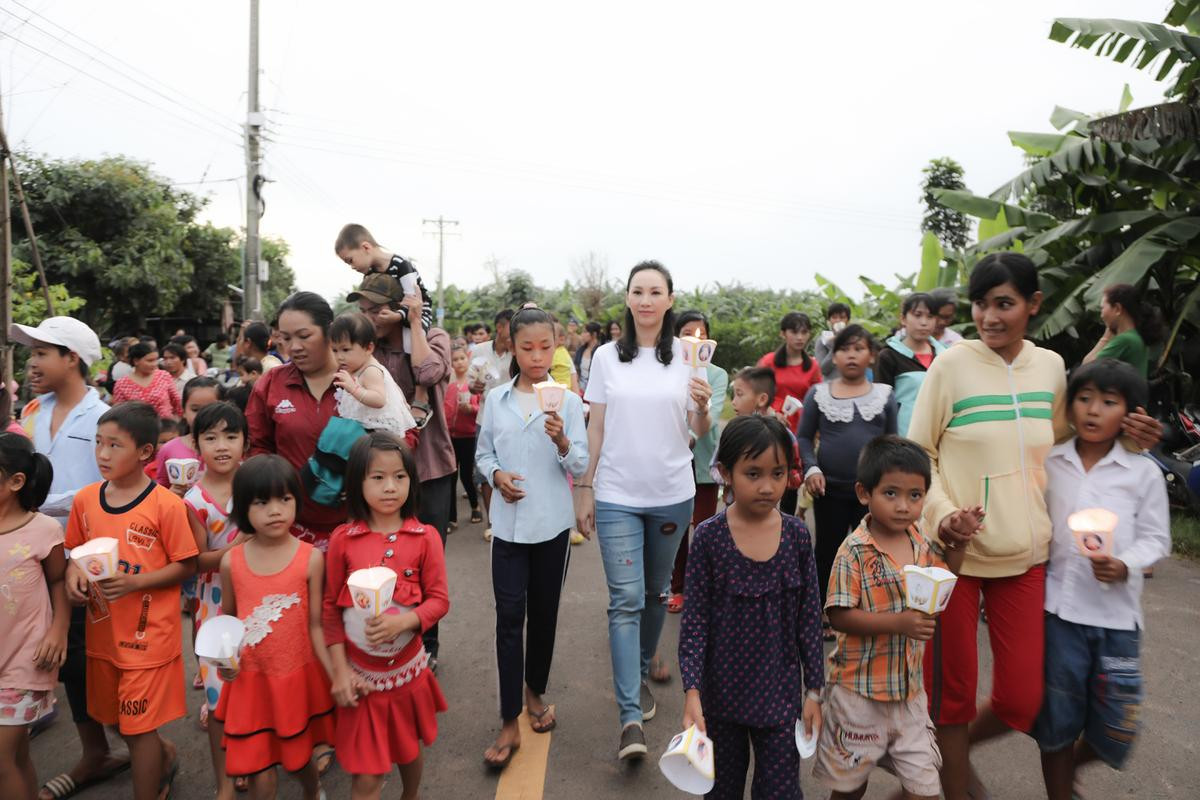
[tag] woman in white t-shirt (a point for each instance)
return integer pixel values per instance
(637, 493)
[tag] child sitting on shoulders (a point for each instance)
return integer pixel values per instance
(357, 247)
(875, 705)
(1093, 602)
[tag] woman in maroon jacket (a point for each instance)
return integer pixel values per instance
(292, 403)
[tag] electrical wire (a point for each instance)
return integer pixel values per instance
(543, 172)
(116, 88)
(839, 216)
(218, 121)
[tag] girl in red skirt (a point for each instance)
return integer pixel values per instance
(277, 706)
(387, 697)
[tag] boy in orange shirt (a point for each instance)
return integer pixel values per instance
(135, 663)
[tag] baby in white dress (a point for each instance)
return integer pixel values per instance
(366, 392)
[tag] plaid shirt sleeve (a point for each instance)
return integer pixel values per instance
(845, 580)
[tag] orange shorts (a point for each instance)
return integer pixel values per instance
(135, 700)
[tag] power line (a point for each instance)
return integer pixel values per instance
(217, 121)
(547, 173)
(847, 217)
(217, 114)
(116, 88)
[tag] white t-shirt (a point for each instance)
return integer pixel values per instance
(645, 461)
(495, 368)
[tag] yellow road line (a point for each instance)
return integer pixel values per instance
(525, 776)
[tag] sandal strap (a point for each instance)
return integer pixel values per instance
(62, 785)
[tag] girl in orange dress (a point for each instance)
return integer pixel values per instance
(388, 698)
(277, 707)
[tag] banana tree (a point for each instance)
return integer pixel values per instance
(1124, 188)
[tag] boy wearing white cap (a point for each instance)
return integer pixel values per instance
(62, 423)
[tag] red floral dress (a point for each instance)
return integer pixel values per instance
(279, 706)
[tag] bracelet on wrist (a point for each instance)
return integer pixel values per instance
(814, 695)
(583, 486)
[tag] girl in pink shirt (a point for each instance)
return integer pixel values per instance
(33, 607)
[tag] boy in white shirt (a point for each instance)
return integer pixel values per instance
(1093, 602)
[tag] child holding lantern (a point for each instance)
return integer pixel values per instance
(1112, 504)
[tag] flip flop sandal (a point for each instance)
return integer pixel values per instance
(423, 421)
(324, 761)
(536, 719)
(241, 784)
(476, 516)
(63, 785)
(499, 765)
(675, 604)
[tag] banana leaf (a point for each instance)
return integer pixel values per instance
(1133, 264)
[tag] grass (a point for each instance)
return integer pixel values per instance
(1185, 533)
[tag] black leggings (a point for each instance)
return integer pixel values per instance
(464, 451)
(836, 514)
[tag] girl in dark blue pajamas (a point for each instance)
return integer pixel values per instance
(751, 628)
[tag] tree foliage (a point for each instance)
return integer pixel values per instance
(744, 320)
(951, 227)
(129, 245)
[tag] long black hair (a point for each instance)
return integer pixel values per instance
(795, 321)
(627, 346)
(17, 456)
(1147, 319)
(523, 319)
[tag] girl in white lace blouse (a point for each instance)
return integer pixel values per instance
(846, 413)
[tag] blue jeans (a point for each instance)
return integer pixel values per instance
(638, 546)
(1093, 688)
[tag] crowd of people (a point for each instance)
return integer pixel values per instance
(330, 444)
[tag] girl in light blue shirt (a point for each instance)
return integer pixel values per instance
(526, 454)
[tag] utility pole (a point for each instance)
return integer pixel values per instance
(251, 303)
(5, 259)
(441, 223)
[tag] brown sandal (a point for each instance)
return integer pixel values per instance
(535, 720)
(501, 764)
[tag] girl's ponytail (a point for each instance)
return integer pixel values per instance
(17, 456)
(37, 483)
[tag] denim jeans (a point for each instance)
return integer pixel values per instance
(638, 546)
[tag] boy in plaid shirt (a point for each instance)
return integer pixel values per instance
(875, 705)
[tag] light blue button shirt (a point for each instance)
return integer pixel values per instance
(509, 442)
(72, 451)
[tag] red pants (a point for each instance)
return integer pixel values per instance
(1015, 627)
(705, 507)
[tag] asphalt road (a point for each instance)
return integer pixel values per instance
(578, 760)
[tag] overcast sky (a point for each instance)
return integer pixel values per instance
(757, 141)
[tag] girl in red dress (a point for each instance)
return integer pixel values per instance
(388, 698)
(277, 707)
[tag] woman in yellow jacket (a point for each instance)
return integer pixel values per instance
(988, 413)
